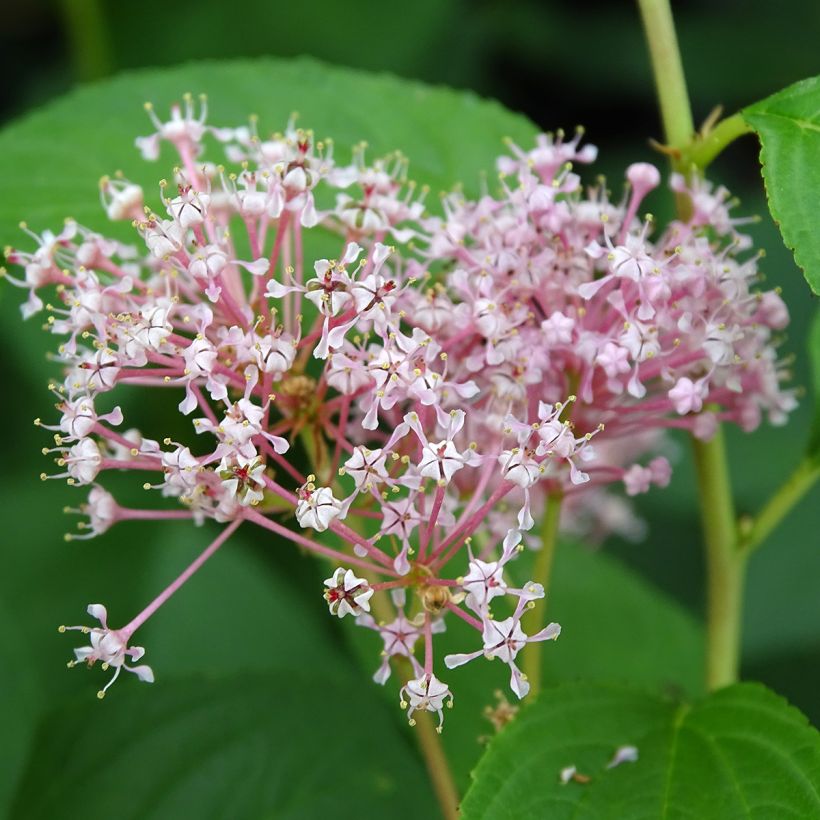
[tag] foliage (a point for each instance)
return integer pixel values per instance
(742, 752)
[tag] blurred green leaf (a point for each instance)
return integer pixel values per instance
(367, 35)
(619, 628)
(229, 618)
(741, 753)
(814, 358)
(792, 673)
(288, 745)
(788, 124)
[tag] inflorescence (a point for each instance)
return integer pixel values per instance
(440, 376)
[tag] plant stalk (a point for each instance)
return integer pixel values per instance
(427, 738)
(438, 768)
(542, 571)
(725, 563)
(88, 40)
(667, 68)
(779, 505)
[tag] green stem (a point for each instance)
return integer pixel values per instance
(438, 768)
(541, 574)
(704, 149)
(667, 68)
(779, 505)
(725, 564)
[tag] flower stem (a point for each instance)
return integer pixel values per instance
(541, 575)
(725, 563)
(427, 738)
(132, 626)
(779, 505)
(438, 768)
(667, 68)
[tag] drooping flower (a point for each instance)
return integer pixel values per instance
(427, 693)
(109, 647)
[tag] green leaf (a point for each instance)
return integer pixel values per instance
(788, 124)
(296, 745)
(51, 160)
(617, 627)
(741, 753)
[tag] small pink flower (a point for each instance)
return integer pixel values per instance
(687, 396)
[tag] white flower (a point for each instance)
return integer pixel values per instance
(110, 646)
(83, 461)
(79, 418)
(483, 582)
(243, 478)
(275, 353)
(317, 507)
(155, 326)
(121, 199)
(399, 638)
(428, 693)
(347, 594)
(102, 511)
(505, 639)
(440, 461)
(519, 466)
(366, 467)
(98, 373)
(181, 469)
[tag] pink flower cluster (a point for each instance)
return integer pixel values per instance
(403, 408)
